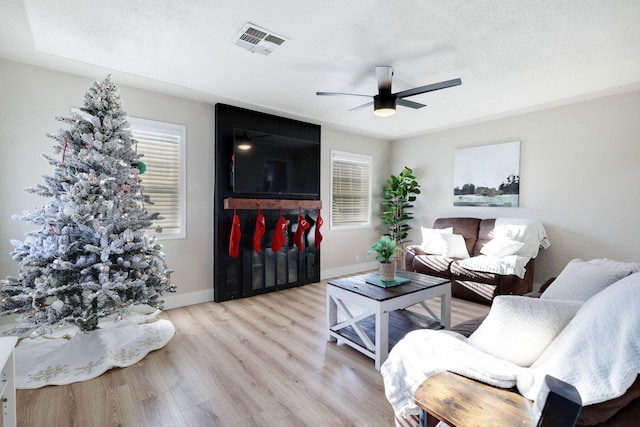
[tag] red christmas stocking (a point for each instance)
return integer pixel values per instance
(234, 240)
(257, 236)
(278, 234)
(319, 222)
(303, 225)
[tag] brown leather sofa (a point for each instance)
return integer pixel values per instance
(473, 285)
(622, 411)
(618, 412)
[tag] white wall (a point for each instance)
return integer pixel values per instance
(344, 250)
(579, 172)
(31, 98)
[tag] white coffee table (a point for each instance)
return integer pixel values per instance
(379, 302)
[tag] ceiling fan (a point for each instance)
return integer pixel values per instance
(384, 103)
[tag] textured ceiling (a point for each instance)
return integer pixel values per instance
(512, 56)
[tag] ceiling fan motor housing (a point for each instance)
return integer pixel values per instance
(384, 101)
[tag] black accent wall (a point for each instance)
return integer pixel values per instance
(253, 273)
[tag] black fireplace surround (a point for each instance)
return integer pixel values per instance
(252, 273)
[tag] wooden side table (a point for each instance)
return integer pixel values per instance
(462, 402)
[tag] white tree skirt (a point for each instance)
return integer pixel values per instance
(54, 360)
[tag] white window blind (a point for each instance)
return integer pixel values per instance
(163, 147)
(350, 190)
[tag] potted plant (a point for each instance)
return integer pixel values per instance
(386, 249)
(398, 194)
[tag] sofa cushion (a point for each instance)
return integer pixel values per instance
(468, 327)
(435, 265)
(581, 280)
(459, 272)
(519, 329)
(474, 291)
(433, 241)
(485, 235)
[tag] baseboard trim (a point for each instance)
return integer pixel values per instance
(346, 270)
(198, 297)
(190, 298)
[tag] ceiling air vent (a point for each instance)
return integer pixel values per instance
(258, 40)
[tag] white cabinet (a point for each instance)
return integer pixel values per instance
(8, 385)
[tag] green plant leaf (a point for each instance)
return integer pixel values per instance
(398, 193)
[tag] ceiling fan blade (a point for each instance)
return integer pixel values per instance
(410, 104)
(363, 106)
(383, 76)
(341, 94)
(429, 88)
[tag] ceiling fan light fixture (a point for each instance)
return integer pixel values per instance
(384, 112)
(384, 106)
(384, 103)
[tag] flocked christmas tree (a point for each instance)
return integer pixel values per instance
(90, 257)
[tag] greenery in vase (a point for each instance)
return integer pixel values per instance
(398, 194)
(385, 249)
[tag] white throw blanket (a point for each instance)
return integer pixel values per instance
(528, 231)
(598, 353)
(426, 352)
(599, 350)
(531, 232)
(510, 264)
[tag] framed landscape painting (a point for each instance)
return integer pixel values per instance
(488, 175)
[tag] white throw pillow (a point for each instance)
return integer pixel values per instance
(455, 246)
(501, 247)
(432, 240)
(519, 329)
(581, 280)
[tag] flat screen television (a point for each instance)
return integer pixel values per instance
(274, 165)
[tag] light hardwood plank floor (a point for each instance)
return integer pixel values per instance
(259, 361)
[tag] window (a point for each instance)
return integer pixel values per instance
(350, 190)
(163, 146)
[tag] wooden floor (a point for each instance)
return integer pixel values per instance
(259, 361)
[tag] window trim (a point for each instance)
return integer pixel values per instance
(136, 123)
(353, 158)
